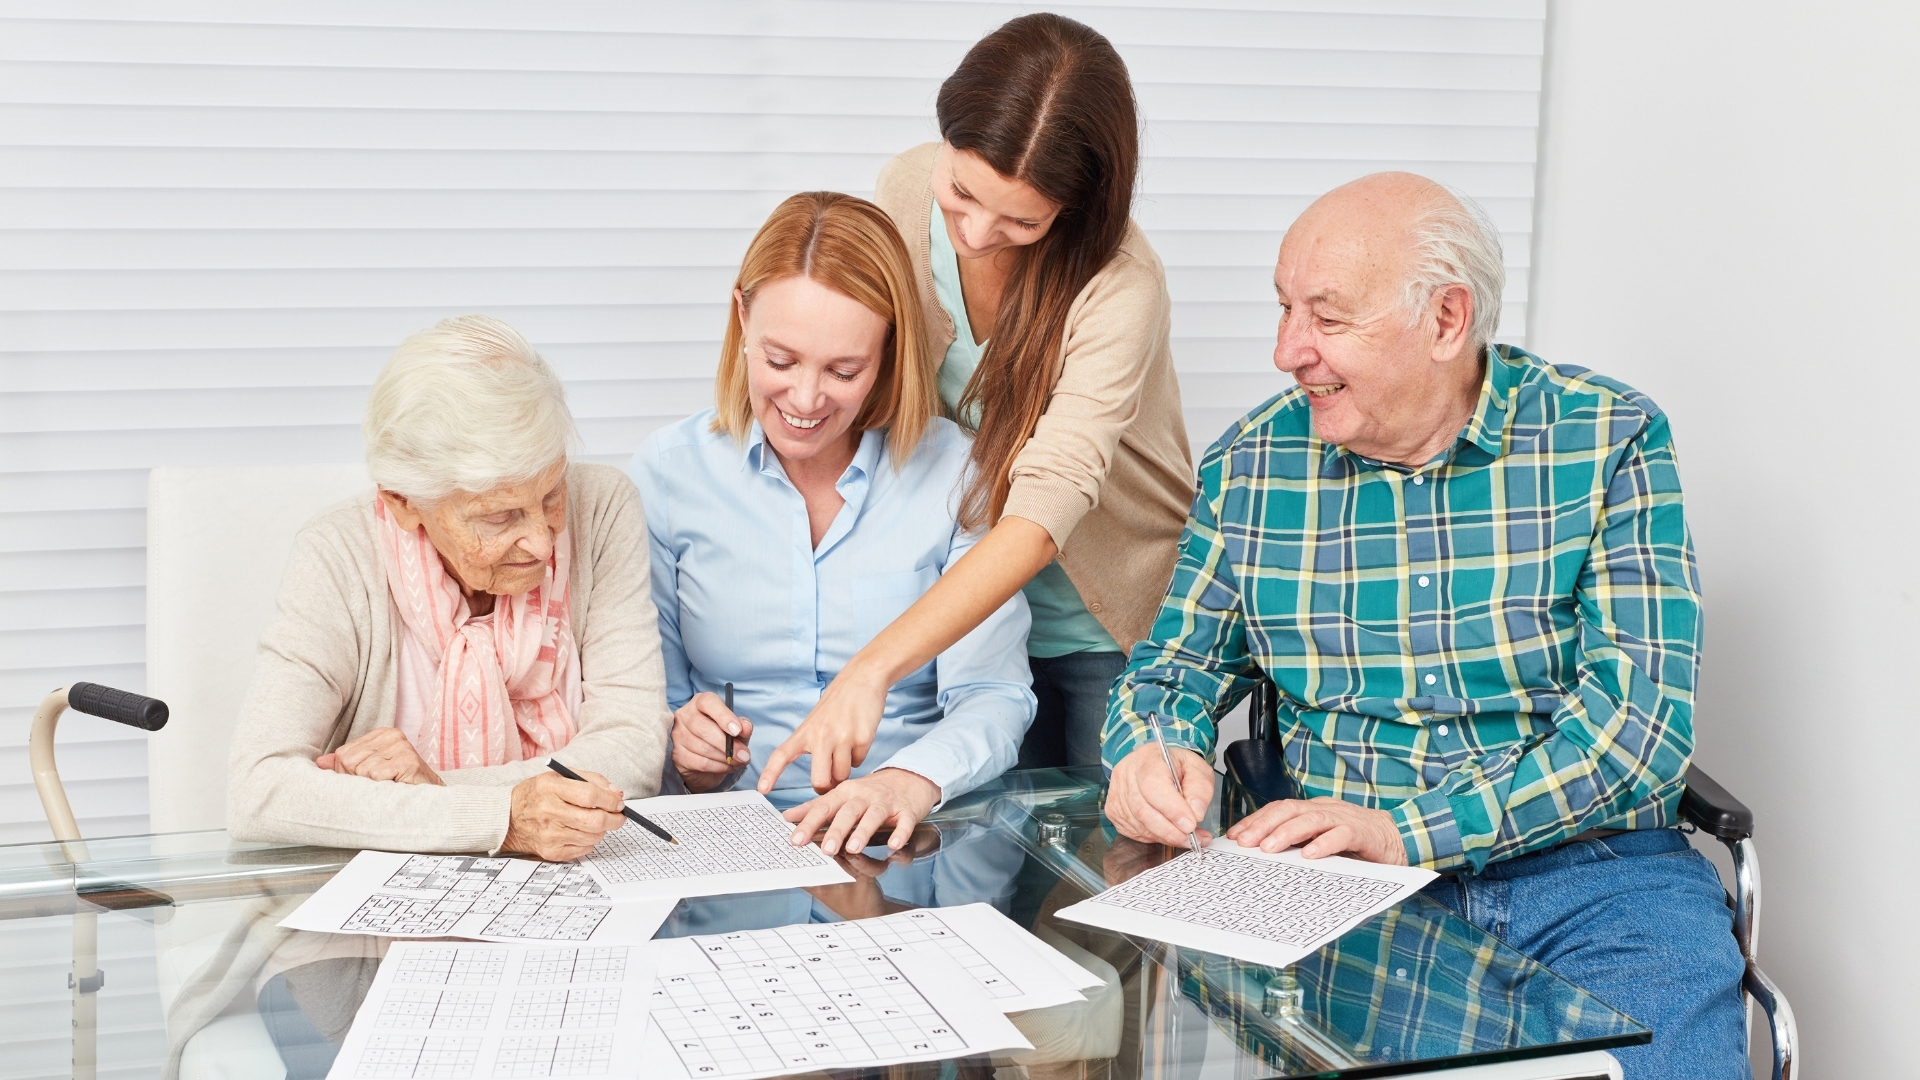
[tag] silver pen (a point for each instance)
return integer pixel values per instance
(1153, 721)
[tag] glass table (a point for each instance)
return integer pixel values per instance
(184, 927)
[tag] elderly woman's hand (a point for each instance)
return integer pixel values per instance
(559, 819)
(700, 730)
(380, 754)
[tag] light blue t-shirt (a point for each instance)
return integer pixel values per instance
(1061, 622)
(745, 597)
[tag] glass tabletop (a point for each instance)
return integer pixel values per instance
(185, 928)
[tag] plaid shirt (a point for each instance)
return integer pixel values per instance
(1499, 647)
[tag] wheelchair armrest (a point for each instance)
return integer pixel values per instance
(1257, 768)
(1713, 808)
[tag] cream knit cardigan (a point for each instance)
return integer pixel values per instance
(328, 667)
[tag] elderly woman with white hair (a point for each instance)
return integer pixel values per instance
(440, 639)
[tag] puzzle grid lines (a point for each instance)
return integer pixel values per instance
(736, 839)
(1259, 898)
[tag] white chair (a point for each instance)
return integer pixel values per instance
(233, 526)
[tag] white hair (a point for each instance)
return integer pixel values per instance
(467, 405)
(1455, 243)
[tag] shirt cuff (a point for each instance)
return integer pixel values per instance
(1430, 833)
(1129, 732)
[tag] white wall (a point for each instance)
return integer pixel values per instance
(218, 216)
(1729, 219)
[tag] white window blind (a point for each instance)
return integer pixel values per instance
(216, 219)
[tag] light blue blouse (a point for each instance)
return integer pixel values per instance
(744, 597)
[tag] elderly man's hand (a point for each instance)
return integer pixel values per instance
(1325, 826)
(380, 754)
(1143, 803)
(560, 819)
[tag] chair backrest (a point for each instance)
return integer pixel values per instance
(217, 546)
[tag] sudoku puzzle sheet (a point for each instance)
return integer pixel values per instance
(473, 886)
(555, 1017)
(1273, 901)
(828, 1009)
(735, 839)
(891, 934)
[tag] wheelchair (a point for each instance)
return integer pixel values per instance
(1257, 775)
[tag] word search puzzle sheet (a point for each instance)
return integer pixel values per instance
(391, 894)
(1269, 908)
(728, 842)
(838, 1009)
(456, 1011)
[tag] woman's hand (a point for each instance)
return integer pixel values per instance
(838, 732)
(700, 730)
(854, 811)
(380, 754)
(559, 819)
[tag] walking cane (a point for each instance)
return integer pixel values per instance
(147, 713)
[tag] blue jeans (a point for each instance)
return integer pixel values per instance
(1640, 920)
(1073, 707)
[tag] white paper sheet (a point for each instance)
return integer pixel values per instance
(392, 894)
(1012, 967)
(832, 1011)
(729, 842)
(471, 1009)
(1246, 903)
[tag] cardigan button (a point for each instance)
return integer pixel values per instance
(1094, 607)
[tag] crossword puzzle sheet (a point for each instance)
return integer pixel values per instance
(1012, 967)
(1246, 903)
(397, 895)
(456, 1010)
(827, 1010)
(728, 842)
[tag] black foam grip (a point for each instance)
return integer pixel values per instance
(119, 706)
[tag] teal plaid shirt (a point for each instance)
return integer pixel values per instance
(1499, 647)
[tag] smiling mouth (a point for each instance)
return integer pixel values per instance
(803, 425)
(1323, 390)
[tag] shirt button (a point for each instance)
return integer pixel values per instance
(1429, 680)
(1443, 731)
(1423, 581)
(1418, 480)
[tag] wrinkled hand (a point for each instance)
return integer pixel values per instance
(1143, 803)
(1326, 826)
(854, 811)
(560, 819)
(1126, 858)
(700, 730)
(380, 754)
(837, 733)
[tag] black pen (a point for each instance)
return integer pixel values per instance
(729, 734)
(636, 818)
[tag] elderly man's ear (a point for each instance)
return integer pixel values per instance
(1452, 317)
(405, 513)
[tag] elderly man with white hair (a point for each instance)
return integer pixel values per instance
(443, 637)
(1468, 575)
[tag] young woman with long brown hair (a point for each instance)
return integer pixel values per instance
(1049, 311)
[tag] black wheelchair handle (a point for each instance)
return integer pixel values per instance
(119, 706)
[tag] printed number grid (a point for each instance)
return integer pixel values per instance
(436, 1010)
(545, 967)
(715, 840)
(564, 1010)
(554, 1055)
(906, 931)
(835, 1010)
(419, 1057)
(452, 965)
(471, 886)
(1272, 901)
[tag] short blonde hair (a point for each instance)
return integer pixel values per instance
(466, 405)
(850, 246)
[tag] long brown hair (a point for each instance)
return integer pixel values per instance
(850, 246)
(1044, 100)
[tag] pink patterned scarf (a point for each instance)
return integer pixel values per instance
(472, 692)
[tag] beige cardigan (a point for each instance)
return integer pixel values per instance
(1108, 472)
(328, 668)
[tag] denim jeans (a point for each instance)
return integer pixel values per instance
(1640, 920)
(1073, 707)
